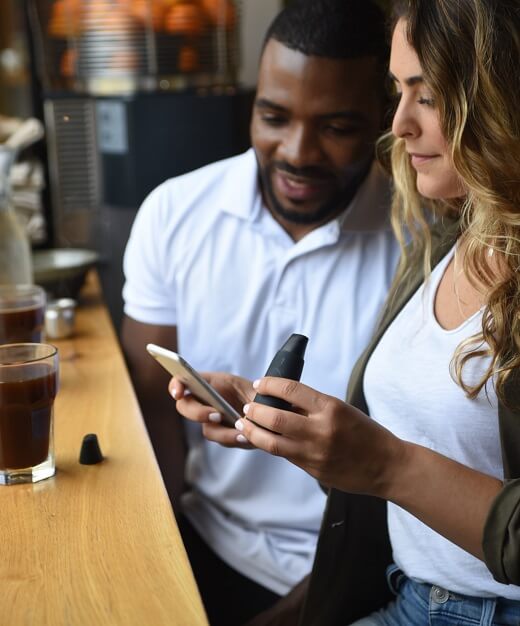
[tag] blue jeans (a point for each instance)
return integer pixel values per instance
(419, 604)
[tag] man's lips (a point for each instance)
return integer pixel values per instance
(421, 159)
(299, 188)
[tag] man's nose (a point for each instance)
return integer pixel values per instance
(301, 147)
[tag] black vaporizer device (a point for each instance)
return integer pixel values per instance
(287, 363)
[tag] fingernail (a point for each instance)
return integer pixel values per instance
(239, 425)
(245, 408)
(173, 393)
(256, 384)
(242, 439)
(215, 417)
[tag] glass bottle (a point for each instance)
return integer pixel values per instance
(15, 250)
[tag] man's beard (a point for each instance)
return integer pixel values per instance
(327, 211)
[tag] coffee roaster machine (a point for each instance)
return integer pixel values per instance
(134, 92)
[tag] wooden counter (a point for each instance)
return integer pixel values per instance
(95, 545)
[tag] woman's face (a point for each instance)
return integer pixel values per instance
(416, 121)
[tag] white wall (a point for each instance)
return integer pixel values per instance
(256, 17)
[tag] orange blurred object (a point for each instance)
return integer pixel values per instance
(188, 59)
(185, 18)
(167, 4)
(65, 18)
(221, 12)
(107, 15)
(148, 11)
(68, 63)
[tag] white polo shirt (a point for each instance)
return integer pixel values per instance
(206, 256)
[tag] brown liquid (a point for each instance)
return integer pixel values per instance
(23, 326)
(25, 419)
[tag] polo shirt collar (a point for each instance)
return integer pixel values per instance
(368, 210)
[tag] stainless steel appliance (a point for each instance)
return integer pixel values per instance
(134, 92)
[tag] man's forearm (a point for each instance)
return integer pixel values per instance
(165, 426)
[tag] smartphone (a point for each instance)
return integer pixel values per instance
(200, 388)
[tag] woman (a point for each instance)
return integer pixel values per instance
(440, 379)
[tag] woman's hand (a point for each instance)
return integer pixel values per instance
(343, 448)
(236, 390)
(333, 441)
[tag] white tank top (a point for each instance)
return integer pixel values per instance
(409, 390)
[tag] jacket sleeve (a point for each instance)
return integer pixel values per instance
(501, 541)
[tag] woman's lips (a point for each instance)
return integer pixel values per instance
(421, 159)
(299, 188)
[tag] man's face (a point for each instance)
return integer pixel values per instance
(313, 129)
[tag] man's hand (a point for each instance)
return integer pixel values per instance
(236, 390)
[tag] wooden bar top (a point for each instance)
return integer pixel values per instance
(95, 545)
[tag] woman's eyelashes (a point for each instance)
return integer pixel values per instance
(424, 100)
(430, 102)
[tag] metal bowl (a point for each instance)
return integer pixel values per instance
(62, 271)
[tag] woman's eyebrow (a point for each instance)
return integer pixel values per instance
(410, 81)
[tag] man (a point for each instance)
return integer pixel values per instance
(224, 263)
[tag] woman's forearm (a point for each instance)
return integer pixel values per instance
(450, 498)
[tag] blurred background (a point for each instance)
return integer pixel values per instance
(130, 93)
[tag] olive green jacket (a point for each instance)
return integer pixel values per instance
(348, 578)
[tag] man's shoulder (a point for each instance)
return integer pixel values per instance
(192, 203)
(206, 189)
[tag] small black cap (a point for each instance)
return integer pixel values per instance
(90, 451)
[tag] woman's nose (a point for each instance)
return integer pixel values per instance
(404, 123)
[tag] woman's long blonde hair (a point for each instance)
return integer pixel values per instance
(469, 52)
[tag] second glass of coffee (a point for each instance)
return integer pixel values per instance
(22, 309)
(28, 386)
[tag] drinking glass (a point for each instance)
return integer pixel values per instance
(28, 386)
(22, 309)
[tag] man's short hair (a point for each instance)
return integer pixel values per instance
(337, 29)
